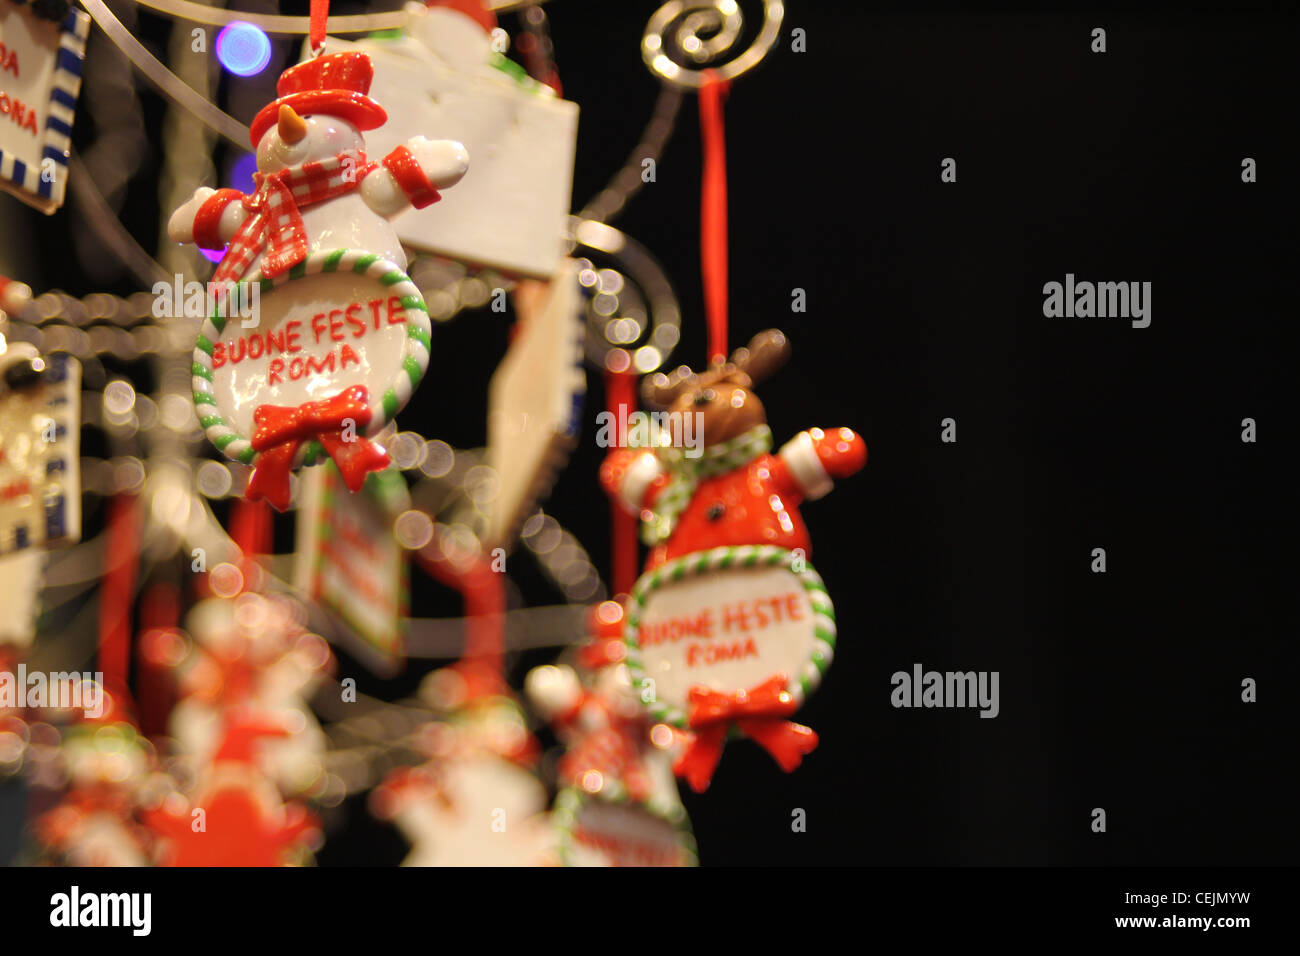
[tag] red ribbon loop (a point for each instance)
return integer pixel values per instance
(758, 713)
(280, 429)
(319, 12)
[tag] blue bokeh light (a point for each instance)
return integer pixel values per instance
(213, 255)
(241, 173)
(243, 48)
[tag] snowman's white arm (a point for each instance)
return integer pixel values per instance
(411, 175)
(210, 219)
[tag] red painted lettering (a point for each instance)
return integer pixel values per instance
(395, 308)
(720, 653)
(326, 363)
(357, 322)
(737, 616)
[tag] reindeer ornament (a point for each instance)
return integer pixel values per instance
(729, 627)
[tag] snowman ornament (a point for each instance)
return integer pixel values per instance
(476, 800)
(315, 336)
(272, 666)
(235, 817)
(617, 803)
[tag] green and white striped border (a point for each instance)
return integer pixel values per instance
(415, 357)
(722, 559)
(570, 801)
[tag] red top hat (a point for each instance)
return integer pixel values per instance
(336, 84)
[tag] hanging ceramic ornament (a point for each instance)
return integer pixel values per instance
(236, 816)
(106, 763)
(20, 588)
(348, 559)
(40, 424)
(42, 46)
(315, 336)
(617, 804)
(511, 211)
(476, 801)
(253, 652)
(730, 626)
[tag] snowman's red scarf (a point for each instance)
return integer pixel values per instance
(275, 224)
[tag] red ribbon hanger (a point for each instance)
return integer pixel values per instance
(713, 214)
(116, 597)
(482, 663)
(320, 13)
(620, 397)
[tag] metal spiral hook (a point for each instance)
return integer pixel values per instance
(685, 38)
(633, 318)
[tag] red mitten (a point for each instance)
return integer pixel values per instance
(814, 457)
(632, 477)
(841, 451)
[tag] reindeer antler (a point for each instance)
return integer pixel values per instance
(766, 352)
(660, 390)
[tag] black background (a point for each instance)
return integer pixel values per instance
(1119, 690)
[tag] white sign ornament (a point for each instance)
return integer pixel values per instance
(348, 559)
(447, 77)
(535, 405)
(339, 343)
(40, 426)
(40, 77)
(730, 637)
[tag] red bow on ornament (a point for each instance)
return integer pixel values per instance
(757, 713)
(280, 429)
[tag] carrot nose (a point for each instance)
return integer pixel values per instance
(292, 127)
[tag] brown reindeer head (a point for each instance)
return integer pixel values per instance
(722, 393)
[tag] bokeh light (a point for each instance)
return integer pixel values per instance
(243, 49)
(241, 172)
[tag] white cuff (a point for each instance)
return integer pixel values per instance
(806, 468)
(640, 474)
